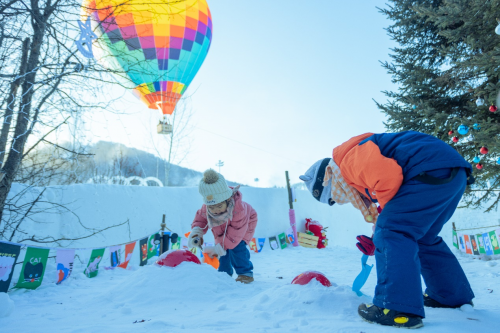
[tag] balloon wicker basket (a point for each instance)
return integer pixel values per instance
(164, 128)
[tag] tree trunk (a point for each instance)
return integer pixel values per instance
(21, 132)
(9, 109)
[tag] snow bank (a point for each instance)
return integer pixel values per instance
(196, 298)
(6, 305)
(99, 206)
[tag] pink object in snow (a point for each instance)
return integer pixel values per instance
(291, 214)
(306, 277)
(177, 257)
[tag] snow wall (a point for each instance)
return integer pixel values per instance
(99, 206)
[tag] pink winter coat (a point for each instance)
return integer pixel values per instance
(241, 227)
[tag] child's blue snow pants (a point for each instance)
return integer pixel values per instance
(239, 258)
(407, 242)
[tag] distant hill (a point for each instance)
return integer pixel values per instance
(128, 161)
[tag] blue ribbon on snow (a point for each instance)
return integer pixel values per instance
(360, 280)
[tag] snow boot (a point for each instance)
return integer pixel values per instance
(432, 303)
(373, 314)
(244, 279)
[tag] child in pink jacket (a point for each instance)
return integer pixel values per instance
(232, 221)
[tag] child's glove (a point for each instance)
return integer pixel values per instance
(195, 238)
(366, 245)
(214, 251)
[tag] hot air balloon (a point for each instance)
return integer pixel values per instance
(154, 48)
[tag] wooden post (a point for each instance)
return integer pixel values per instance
(290, 199)
(163, 225)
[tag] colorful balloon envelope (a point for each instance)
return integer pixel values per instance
(154, 48)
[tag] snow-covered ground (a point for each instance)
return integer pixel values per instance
(196, 298)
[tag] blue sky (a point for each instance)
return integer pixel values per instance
(283, 84)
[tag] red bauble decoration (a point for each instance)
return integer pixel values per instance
(450, 132)
(483, 150)
(306, 277)
(175, 258)
(493, 108)
(455, 139)
(479, 166)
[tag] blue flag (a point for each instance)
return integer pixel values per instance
(261, 242)
(487, 244)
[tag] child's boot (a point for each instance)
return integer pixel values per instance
(373, 314)
(244, 279)
(432, 303)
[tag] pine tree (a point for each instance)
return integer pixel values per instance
(448, 57)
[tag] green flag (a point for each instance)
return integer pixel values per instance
(153, 249)
(494, 242)
(480, 243)
(282, 238)
(455, 239)
(93, 265)
(34, 265)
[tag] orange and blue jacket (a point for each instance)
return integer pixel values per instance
(378, 164)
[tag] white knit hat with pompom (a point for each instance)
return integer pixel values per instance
(213, 188)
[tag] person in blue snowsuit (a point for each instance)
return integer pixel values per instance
(418, 181)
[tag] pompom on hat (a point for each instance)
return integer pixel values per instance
(213, 188)
(313, 178)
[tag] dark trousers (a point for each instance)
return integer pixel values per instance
(239, 258)
(407, 242)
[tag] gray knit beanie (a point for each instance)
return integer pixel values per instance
(213, 188)
(313, 178)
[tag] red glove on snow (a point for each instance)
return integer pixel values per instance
(366, 245)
